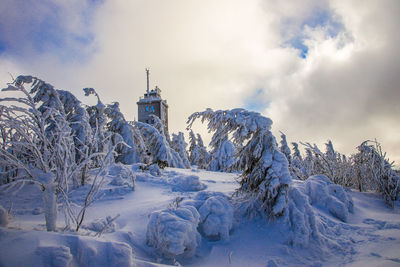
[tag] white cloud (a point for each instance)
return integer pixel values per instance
(220, 53)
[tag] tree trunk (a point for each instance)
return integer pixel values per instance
(50, 206)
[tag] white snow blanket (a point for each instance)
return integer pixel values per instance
(323, 193)
(173, 232)
(216, 214)
(45, 249)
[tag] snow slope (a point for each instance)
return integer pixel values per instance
(369, 237)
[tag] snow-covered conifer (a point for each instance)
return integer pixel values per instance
(297, 164)
(179, 145)
(204, 156)
(193, 148)
(222, 156)
(126, 151)
(285, 148)
(161, 152)
(266, 177)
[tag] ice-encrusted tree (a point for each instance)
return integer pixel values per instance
(39, 145)
(331, 163)
(179, 145)
(78, 119)
(158, 147)
(204, 156)
(265, 179)
(193, 148)
(98, 120)
(285, 148)
(222, 155)
(297, 164)
(126, 151)
(375, 171)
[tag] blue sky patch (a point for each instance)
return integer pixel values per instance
(256, 101)
(293, 30)
(44, 29)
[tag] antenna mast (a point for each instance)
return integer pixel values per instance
(147, 74)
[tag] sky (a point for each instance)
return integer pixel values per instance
(320, 69)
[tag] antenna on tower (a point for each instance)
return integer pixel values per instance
(147, 74)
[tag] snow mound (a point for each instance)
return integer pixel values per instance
(216, 214)
(53, 249)
(3, 217)
(154, 170)
(173, 232)
(121, 175)
(59, 256)
(332, 197)
(186, 183)
(301, 219)
(106, 225)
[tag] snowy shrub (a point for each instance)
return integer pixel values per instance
(216, 216)
(331, 164)
(324, 193)
(3, 217)
(106, 225)
(266, 177)
(374, 171)
(173, 232)
(186, 183)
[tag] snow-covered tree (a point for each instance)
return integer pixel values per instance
(179, 145)
(126, 151)
(330, 163)
(374, 171)
(204, 156)
(98, 120)
(297, 166)
(193, 149)
(40, 146)
(284, 148)
(44, 152)
(78, 119)
(265, 179)
(222, 155)
(159, 149)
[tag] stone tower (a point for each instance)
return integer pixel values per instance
(152, 104)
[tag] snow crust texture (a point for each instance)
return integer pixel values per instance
(173, 232)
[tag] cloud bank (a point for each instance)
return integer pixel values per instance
(319, 69)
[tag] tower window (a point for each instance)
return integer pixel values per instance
(152, 108)
(147, 108)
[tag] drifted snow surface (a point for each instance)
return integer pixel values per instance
(324, 225)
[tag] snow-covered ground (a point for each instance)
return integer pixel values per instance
(369, 237)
